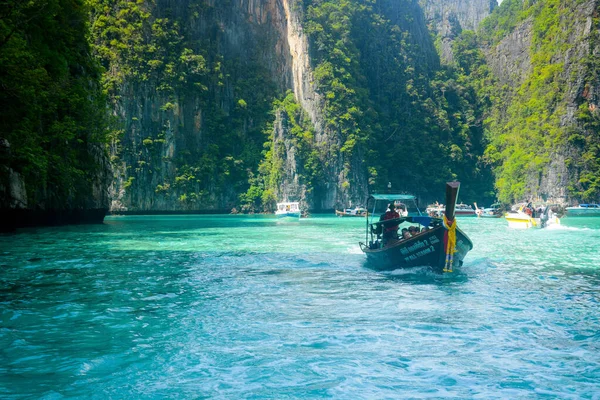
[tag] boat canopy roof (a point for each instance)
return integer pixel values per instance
(393, 197)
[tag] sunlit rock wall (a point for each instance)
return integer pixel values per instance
(511, 63)
(448, 18)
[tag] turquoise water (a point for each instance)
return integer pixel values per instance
(229, 307)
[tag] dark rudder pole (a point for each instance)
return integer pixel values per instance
(450, 224)
(451, 196)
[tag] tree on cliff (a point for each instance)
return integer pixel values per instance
(51, 109)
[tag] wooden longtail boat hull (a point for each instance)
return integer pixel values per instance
(425, 249)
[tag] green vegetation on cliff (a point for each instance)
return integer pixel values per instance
(297, 133)
(199, 121)
(193, 117)
(415, 123)
(585, 138)
(52, 112)
(527, 128)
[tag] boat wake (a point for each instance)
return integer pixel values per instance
(566, 228)
(410, 271)
(354, 250)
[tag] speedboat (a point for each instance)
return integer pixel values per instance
(584, 210)
(464, 210)
(290, 210)
(436, 242)
(493, 211)
(526, 217)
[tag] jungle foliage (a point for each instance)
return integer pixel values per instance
(52, 112)
(391, 109)
(418, 123)
(526, 129)
(151, 52)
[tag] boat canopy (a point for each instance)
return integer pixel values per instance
(393, 197)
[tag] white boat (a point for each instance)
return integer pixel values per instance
(493, 211)
(584, 210)
(464, 210)
(461, 210)
(525, 217)
(288, 210)
(352, 212)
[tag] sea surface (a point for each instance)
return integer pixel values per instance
(249, 307)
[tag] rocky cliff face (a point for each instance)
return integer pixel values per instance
(311, 102)
(510, 60)
(161, 127)
(449, 17)
(516, 61)
(192, 116)
(169, 136)
(53, 167)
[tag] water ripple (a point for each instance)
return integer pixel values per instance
(246, 307)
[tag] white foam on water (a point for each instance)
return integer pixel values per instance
(410, 270)
(354, 250)
(566, 228)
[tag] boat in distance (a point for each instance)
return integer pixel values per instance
(526, 216)
(460, 210)
(434, 242)
(583, 210)
(352, 212)
(288, 210)
(493, 211)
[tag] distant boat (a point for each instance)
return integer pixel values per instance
(352, 212)
(435, 210)
(288, 210)
(439, 243)
(493, 211)
(526, 217)
(584, 210)
(461, 210)
(464, 210)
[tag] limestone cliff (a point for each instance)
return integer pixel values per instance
(53, 167)
(568, 94)
(162, 128)
(448, 18)
(169, 155)
(191, 85)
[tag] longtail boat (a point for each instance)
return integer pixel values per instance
(439, 244)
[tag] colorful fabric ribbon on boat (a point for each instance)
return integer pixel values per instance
(450, 242)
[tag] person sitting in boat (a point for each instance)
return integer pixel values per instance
(405, 234)
(413, 230)
(390, 231)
